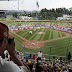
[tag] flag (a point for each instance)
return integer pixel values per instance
(37, 4)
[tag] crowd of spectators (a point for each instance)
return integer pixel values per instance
(7, 65)
(38, 63)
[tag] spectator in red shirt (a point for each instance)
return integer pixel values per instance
(45, 69)
(33, 56)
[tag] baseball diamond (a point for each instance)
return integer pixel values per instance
(60, 40)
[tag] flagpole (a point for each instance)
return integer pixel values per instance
(37, 6)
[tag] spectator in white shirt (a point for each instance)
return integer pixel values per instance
(39, 55)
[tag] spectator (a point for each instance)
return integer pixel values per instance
(69, 57)
(22, 59)
(39, 55)
(6, 66)
(33, 69)
(30, 56)
(54, 60)
(7, 55)
(17, 54)
(5, 52)
(21, 55)
(30, 65)
(27, 57)
(43, 58)
(45, 69)
(7, 43)
(3, 56)
(34, 57)
(38, 68)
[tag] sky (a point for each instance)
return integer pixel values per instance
(31, 4)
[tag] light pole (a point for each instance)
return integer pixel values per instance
(18, 9)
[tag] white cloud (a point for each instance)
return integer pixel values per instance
(31, 4)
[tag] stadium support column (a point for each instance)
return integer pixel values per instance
(50, 54)
(24, 49)
(67, 55)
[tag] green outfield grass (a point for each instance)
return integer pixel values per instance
(48, 34)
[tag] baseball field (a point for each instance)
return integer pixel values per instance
(56, 46)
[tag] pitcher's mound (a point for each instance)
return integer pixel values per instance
(33, 44)
(40, 32)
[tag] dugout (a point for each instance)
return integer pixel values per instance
(2, 13)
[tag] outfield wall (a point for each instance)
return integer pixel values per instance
(41, 21)
(36, 21)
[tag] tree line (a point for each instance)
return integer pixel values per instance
(53, 13)
(44, 14)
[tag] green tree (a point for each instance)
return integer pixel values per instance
(15, 14)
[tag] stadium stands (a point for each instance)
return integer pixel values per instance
(43, 65)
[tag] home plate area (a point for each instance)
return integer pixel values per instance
(33, 44)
